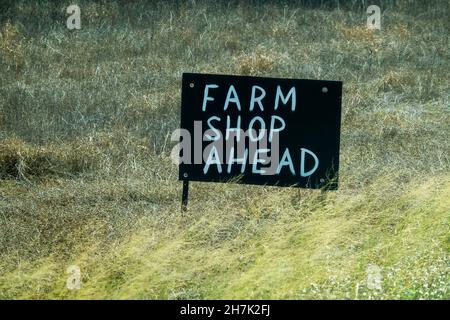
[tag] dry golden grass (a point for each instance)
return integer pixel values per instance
(11, 47)
(259, 62)
(86, 178)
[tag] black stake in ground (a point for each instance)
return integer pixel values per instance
(184, 197)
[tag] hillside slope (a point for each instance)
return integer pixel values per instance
(86, 179)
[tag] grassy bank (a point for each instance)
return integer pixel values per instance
(86, 177)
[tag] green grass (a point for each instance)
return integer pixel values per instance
(86, 177)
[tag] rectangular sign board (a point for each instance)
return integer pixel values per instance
(255, 130)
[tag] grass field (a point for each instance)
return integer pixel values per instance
(86, 177)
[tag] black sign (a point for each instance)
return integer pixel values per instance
(255, 130)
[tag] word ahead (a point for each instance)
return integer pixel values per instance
(254, 130)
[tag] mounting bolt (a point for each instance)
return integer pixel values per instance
(185, 175)
(324, 89)
(322, 180)
(191, 84)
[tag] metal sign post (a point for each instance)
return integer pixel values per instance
(185, 195)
